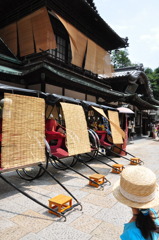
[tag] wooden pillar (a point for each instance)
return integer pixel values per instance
(43, 85)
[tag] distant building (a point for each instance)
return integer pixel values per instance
(134, 82)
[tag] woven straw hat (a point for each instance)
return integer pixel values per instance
(137, 188)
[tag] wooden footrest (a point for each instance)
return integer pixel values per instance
(135, 161)
(117, 168)
(60, 203)
(98, 178)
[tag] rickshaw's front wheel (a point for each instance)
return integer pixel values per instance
(32, 172)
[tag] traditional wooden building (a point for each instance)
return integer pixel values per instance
(63, 47)
(59, 47)
(134, 82)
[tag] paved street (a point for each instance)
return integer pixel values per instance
(101, 218)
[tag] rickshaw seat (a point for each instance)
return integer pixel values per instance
(59, 152)
(102, 136)
(57, 137)
(51, 135)
(51, 125)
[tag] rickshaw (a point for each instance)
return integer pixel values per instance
(22, 139)
(67, 135)
(120, 120)
(104, 121)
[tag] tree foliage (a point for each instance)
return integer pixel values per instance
(120, 59)
(153, 76)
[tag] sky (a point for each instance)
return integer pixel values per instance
(139, 21)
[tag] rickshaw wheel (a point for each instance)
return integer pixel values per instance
(32, 172)
(95, 144)
(90, 156)
(87, 157)
(76, 158)
(56, 164)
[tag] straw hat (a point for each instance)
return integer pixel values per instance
(137, 188)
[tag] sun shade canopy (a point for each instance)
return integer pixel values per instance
(87, 104)
(125, 110)
(52, 99)
(11, 89)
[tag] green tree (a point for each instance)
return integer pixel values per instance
(153, 76)
(120, 59)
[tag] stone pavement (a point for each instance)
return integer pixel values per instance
(102, 217)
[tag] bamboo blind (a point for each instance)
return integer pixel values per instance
(97, 59)
(115, 127)
(100, 54)
(78, 42)
(103, 64)
(91, 56)
(76, 129)
(9, 36)
(25, 35)
(117, 132)
(23, 131)
(42, 30)
(34, 29)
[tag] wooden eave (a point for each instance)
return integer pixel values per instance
(133, 78)
(140, 103)
(31, 73)
(59, 76)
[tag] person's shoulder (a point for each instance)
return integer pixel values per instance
(132, 235)
(129, 225)
(131, 232)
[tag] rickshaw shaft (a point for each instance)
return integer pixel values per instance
(104, 155)
(50, 174)
(123, 150)
(30, 197)
(79, 173)
(119, 155)
(89, 166)
(109, 165)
